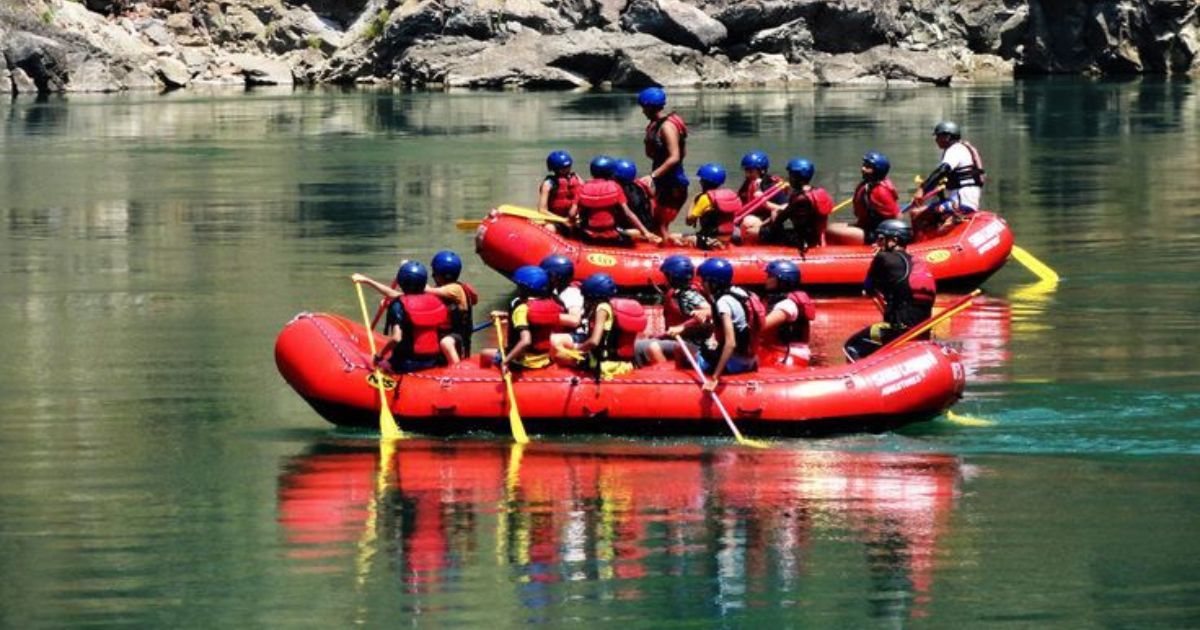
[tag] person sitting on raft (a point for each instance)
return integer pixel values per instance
(961, 170)
(614, 325)
(533, 316)
(600, 206)
(637, 192)
(875, 201)
(758, 182)
(665, 142)
(738, 323)
(789, 316)
(460, 298)
(686, 313)
(559, 192)
(807, 210)
(713, 210)
(901, 285)
(565, 290)
(417, 325)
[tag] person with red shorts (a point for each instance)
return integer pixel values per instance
(666, 146)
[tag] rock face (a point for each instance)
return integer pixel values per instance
(110, 45)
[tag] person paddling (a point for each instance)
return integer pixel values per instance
(738, 322)
(961, 171)
(807, 211)
(460, 297)
(417, 322)
(875, 201)
(756, 166)
(533, 316)
(559, 191)
(902, 286)
(789, 316)
(665, 142)
(713, 211)
(686, 313)
(602, 208)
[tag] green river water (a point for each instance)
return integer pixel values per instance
(155, 470)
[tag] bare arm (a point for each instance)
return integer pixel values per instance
(775, 319)
(524, 340)
(544, 197)
(726, 323)
(597, 332)
(378, 286)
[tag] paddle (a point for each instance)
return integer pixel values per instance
(514, 211)
(388, 429)
(744, 441)
(514, 415)
(757, 203)
(920, 329)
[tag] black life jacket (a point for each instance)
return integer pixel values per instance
(969, 175)
(746, 341)
(799, 330)
(462, 320)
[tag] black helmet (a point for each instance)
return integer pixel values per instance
(947, 128)
(894, 228)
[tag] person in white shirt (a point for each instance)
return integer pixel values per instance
(960, 171)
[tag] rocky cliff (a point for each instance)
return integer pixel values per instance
(112, 45)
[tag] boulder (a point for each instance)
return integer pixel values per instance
(983, 67)
(793, 40)
(237, 23)
(301, 28)
(22, 83)
(608, 12)
(517, 62)
(650, 61)
(907, 65)
(259, 70)
(196, 59)
(674, 22)
(838, 69)
(156, 32)
(41, 60)
(6, 81)
(849, 26)
(770, 70)
(306, 64)
(90, 73)
(744, 18)
(173, 73)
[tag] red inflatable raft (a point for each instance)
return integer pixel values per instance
(961, 258)
(325, 358)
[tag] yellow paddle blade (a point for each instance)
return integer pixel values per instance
(468, 224)
(514, 415)
(529, 213)
(968, 421)
(388, 429)
(1037, 267)
(751, 442)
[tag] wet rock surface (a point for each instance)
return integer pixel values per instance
(112, 45)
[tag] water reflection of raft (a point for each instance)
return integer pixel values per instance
(961, 258)
(325, 358)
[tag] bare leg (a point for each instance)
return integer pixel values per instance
(843, 234)
(449, 350)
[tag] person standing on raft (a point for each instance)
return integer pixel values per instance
(756, 166)
(961, 171)
(602, 208)
(875, 201)
(666, 145)
(418, 323)
(902, 287)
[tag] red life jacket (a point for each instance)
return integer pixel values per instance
(426, 318)
(656, 149)
(809, 211)
(543, 321)
(750, 187)
(746, 341)
(797, 331)
(629, 320)
(868, 210)
(921, 282)
(598, 203)
(969, 175)
(564, 193)
(719, 221)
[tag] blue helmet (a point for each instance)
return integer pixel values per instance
(446, 264)
(786, 272)
(625, 170)
(712, 174)
(652, 97)
(717, 272)
(557, 160)
(802, 168)
(559, 269)
(532, 279)
(602, 166)
(678, 270)
(411, 277)
(879, 162)
(756, 159)
(598, 286)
